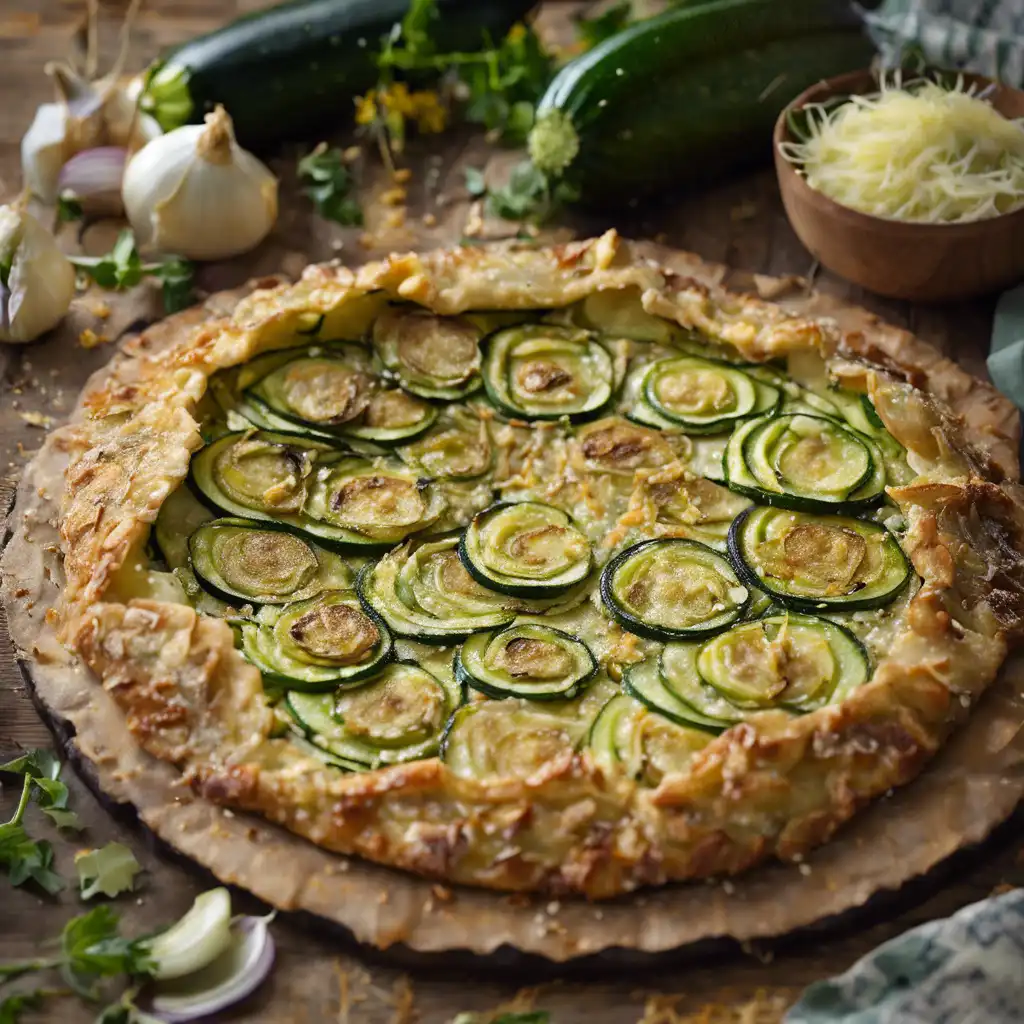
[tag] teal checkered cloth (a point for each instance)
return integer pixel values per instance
(986, 36)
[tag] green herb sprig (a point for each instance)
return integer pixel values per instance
(329, 184)
(122, 268)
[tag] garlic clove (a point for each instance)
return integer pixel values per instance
(40, 280)
(196, 192)
(43, 150)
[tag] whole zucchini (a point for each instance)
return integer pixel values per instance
(689, 94)
(284, 71)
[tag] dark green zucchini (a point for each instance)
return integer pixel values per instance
(689, 94)
(530, 660)
(643, 681)
(672, 589)
(815, 563)
(285, 71)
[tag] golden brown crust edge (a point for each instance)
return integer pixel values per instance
(774, 787)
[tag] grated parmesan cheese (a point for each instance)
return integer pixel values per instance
(922, 153)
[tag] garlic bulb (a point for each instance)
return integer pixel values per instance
(196, 192)
(87, 114)
(37, 282)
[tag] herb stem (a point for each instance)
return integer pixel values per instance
(26, 792)
(8, 972)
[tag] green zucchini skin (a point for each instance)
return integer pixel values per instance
(693, 93)
(286, 70)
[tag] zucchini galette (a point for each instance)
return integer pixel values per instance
(536, 569)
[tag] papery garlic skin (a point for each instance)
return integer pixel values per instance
(197, 193)
(41, 280)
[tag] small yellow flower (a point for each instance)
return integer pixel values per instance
(430, 113)
(397, 100)
(366, 108)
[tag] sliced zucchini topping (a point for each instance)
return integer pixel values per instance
(811, 562)
(805, 462)
(392, 417)
(457, 448)
(432, 356)
(618, 447)
(397, 716)
(423, 592)
(516, 739)
(373, 501)
(340, 498)
(699, 396)
(319, 644)
(628, 737)
(263, 564)
(797, 661)
(323, 386)
(528, 660)
(544, 372)
(644, 682)
(671, 589)
(526, 549)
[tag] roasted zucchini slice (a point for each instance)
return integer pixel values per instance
(432, 356)
(673, 589)
(627, 737)
(339, 498)
(799, 662)
(181, 514)
(545, 372)
(383, 503)
(805, 463)
(263, 563)
(458, 447)
(391, 418)
(695, 508)
(516, 739)
(699, 396)
(320, 644)
(527, 549)
(677, 667)
(643, 681)
(816, 562)
(320, 386)
(616, 446)
(528, 660)
(423, 592)
(397, 716)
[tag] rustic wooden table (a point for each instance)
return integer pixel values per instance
(740, 223)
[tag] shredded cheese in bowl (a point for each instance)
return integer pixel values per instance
(923, 153)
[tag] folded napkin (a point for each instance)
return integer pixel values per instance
(964, 969)
(986, 36)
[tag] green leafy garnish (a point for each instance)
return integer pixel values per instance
(27, 859)
(110, 870)
(530, 195)
(475, 183)
(123, 268)
(330, 184)
(68, 207)
(14, 1006)
(596, 30)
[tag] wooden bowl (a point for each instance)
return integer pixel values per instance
(921, 262)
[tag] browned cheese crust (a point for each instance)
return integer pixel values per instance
(775, 786)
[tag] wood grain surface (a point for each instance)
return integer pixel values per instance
(740, 223)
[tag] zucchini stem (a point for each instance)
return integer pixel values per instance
(553, 142)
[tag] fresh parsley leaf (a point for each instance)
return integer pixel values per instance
(475, 184)
(25, 858)
(110, 870)
(68, 208)
(122, 268)
(93, 950)
(176, 276)
(14, 1006)
(416, 26)
(596, 30)
(521, 197)
(329, 184)
(38, 763)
